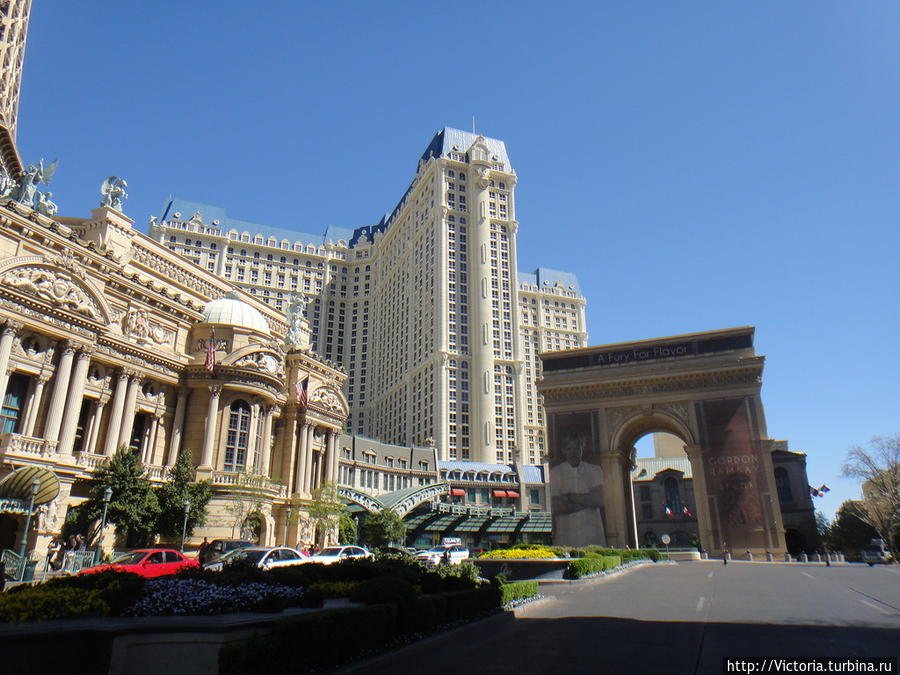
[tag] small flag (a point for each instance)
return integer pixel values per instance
(824, 489)
(668, 510)
(814, 492)
(302, 392)
(211, 352)
(686, 511)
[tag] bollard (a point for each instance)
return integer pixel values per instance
(787, 557)
(816, 558)
(770, 557)
(803, 557)
(749, 556)
(704, 555)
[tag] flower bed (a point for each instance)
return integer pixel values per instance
(178, 596)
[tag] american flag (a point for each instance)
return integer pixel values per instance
(686, 511)
(302, 390)
(668, 510)
(211, 352)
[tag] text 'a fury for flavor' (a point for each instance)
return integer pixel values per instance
(643, 354)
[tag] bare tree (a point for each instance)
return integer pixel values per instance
(878, 467)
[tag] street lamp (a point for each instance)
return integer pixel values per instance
(287, 522)
(107, 495)
(187, 507)
(35, 486)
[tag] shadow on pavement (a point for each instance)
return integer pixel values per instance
(611, 645)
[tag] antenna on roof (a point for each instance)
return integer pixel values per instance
(473, 124)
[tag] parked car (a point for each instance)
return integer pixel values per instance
(877, 553)
(219, 547)
(147, 562)
(264, 557)
(452, 554)
(334, 554)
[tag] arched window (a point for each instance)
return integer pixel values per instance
(783, 484)
(673, 498)
(238, 435)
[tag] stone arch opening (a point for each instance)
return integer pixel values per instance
(704, 388)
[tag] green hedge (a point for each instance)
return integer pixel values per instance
(592, 564)
(334, 637)
(517, 590)
(334, 589)
(43, 603)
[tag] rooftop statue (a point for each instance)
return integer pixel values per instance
(113, 191)
(297, 324)
(44, 205)
(26, 192)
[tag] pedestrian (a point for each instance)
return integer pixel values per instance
(201, 552)
(80, 543)
(53, 553)
(724, 553)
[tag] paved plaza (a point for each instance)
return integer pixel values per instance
(681, 618)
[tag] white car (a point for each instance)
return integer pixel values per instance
(452, 554)
(265, 557)
(334, 554)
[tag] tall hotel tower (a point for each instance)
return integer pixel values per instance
(13, 31)
(438, 332)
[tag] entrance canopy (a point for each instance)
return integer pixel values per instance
(18, 484)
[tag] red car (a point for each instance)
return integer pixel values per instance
(147, 562)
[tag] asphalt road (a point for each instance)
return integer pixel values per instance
(681, 618)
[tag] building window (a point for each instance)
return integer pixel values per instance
(13, 402)
(783, 484)
(673, 498)
(238, 436)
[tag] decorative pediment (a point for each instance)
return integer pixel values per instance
(137, 324)
(329, 398)
(264, 360)
(58, 281)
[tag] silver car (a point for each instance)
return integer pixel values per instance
(264, 557)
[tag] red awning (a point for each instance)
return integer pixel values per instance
(458, 492)
(512, 493)
(500, 493)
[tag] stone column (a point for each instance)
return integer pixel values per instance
(629, 504)
(616, 524)
(288, 441)
(7, 337)
(151, 439)
(300, 450)
(90, 444)
(74, 402)
(332, 451)
(129, 410)
(252, 434)
(266, 449)
(209, 438)
(115, 414)
(177, 426)
(34, 404)
(60, 392)
(710, 536)
(309, 481)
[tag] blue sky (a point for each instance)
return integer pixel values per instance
(697, 165)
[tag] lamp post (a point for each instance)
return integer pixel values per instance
(287, 522)
(35, 486)
(107, 496)
(187, 507)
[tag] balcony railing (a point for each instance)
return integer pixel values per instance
(249, 483)
(19, 445)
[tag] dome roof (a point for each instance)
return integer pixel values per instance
(230, 311)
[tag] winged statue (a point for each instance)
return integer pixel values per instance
(26, 191)
(113, 191)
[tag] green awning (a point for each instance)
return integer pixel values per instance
(505, 524)
(471, 525)
(18, 484)
(441, 523)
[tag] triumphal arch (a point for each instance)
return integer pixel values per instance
(703, 388)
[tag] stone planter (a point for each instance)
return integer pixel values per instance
(522, 569)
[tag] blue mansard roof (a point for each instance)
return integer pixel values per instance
(546, 277)
(449, 140)
(209, 213)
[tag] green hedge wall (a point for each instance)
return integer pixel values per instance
(517, 590)
(592, 564)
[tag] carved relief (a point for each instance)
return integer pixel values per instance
(261, 361)
(56, 287)
(137, 324)
(616, 416)
(328, 399)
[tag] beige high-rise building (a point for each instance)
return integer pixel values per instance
(13, 31)
(426, 311)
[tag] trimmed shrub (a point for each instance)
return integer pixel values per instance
(518, 590)
(591, 565)
(384, 590)
(44, 603)
(518, 554)
(119, 590)
(335, 589)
